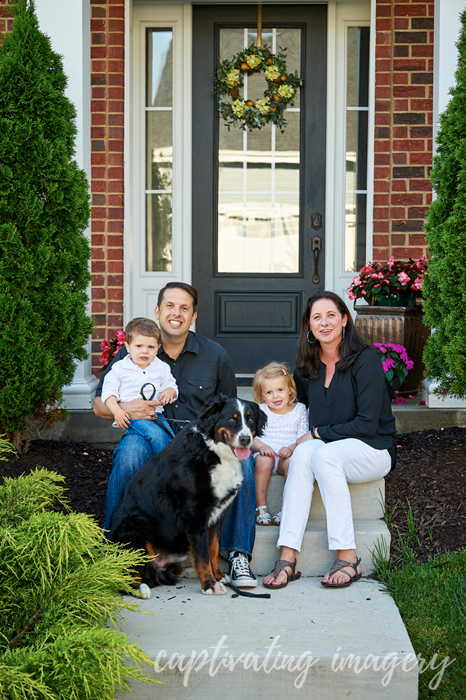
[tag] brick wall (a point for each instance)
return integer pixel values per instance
(6, 20)
(107, 185)
(403, 126)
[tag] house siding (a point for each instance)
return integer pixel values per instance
(403, 126)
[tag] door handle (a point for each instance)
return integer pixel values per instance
(316, 248)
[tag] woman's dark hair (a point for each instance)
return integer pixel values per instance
(308, 356)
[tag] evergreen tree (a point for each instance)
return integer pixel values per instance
(444, 289)
(44, 211)
(59, 599)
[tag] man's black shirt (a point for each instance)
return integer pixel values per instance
(202, 370)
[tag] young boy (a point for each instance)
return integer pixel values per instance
(140, 368)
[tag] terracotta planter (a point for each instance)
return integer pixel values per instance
(401, 325)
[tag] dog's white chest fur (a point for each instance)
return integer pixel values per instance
(224, 477)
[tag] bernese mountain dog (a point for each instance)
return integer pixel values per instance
(173, 506)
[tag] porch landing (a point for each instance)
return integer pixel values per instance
(295, 644)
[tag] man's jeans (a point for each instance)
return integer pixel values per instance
(142, 442)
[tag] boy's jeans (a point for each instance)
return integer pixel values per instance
(143, 441)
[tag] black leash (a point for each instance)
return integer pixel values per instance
(159, 423)
(246, 594)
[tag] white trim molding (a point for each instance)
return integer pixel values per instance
(67, 23)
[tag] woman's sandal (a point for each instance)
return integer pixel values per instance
(277, 518)
(263, 517)
(337, 566)
(280, 566)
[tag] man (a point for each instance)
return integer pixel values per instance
(202, 369)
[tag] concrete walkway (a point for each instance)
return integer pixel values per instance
(296, 644)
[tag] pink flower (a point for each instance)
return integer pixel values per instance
(363, 291)
(417, 284)
(121, 335)
(357, 281)
(105, 345)
(403, 278)
(380, 275)
(399, 399)
(350, 294)
(409, 364)
(390, 262)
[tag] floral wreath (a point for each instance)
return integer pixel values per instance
(278, 95)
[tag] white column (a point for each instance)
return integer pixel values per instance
(67, 23)
(447, 27)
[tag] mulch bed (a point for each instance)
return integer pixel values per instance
(429, 477)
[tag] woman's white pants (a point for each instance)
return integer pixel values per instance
(334, 465)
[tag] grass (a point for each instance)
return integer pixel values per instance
(431, 598)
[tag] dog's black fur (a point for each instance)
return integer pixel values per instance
(174, 504)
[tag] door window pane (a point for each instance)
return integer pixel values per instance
(357, 112)
(258, 197)
(159, 149)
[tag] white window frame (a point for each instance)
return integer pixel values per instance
(142, 287)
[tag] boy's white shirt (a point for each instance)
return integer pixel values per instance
(125, 379)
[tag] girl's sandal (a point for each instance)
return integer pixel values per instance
(277, 518)
(280, 566)
(263, 517)
(338, 565)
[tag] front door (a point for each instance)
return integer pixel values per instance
(258, 197)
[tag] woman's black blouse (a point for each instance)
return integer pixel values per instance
(355, 405)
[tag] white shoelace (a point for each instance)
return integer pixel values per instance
(241, 565)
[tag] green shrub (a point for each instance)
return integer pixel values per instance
(59, 599)
(444, 288)
(44, 211)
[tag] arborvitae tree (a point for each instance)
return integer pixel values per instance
(444, 289)
(44, 211)
(59, 600)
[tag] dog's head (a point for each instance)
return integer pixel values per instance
(233, 422)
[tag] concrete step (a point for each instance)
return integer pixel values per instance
(366, 499)
(297, 643)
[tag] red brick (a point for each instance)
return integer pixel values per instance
(383, 51)
(98, 93)
(400, 132)
(380, 200)
(381, 226)
(115, 280)
(401, 23)
(380, 213)
(116, 39)
(98, 106)
(97, 132)
(97, 226)
(115, 321)
(98, 307)
(115, 200)
(384, 24)
(382, 118)
(98, 25)
(116, 25)
(98, 52)
(383, 10)
(382, 79)
(407, 198)
(411, 10)
(417, 239)
(115, 226)
(422, 50)
(98, 185)
(115, 307)
(116, 119)
(383, 65)
(98, 119)
(399, 158)
(421, 105)
(116, 145)
(115, 213)
(399, 185)
(116, 12)
(98, 239)
(382, 93)
(98, 199)
(114, 266)
(417, 212)
(99, 333)
(98, 280)
(116, 52)
(97, 173)
(98, 12)
(400, 78)
(409, 91)
(115, 159)
(381, 173)
(118, 186)
(380, 240)
(408, 145)
(116, 132)
(116, 173)
(98, 293)
(419, 185)
(398, 239)
(118, 93)
(115, 254)
(404, 253)
(381, 186)
(115, 293)
(98, 266)
(384, 38)
(382, 106)
(422, 158)
(381, 159)
(99, 213)
(116, 79)
(401, 105)
(428, 197)
(381, 146)
(397, 212)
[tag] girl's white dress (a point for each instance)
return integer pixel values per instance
(284, 429)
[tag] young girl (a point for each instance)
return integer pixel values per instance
(286, 422)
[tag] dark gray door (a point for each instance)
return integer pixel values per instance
(258, 197)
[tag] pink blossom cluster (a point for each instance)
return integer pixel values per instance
(376, 280)
(110, 347)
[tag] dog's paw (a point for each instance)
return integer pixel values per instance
(143, 591)
(225, 579)
(218, 589)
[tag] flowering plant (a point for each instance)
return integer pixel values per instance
(395, 361)
(110, 348)
(377, 280)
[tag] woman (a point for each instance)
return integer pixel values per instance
(352, 439)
